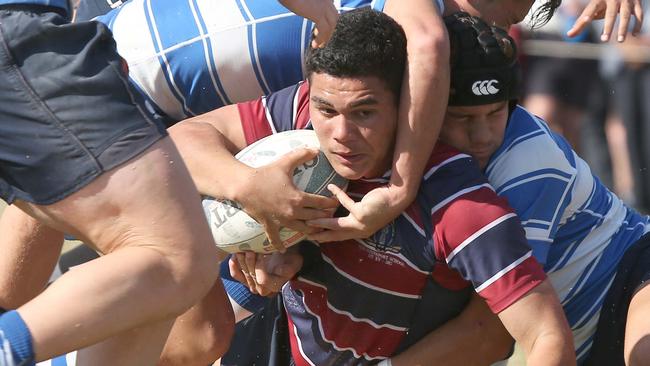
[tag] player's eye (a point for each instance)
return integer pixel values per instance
(364, 113)
(328, 112)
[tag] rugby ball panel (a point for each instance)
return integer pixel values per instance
(233, 229)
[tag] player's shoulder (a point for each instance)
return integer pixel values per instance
(448, 162)
(529, 146)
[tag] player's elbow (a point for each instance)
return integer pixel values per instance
(496, 343)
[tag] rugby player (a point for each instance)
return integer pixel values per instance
(593, 247)
(355, 301)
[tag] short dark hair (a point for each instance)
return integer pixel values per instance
(365, 42)
(484, 67)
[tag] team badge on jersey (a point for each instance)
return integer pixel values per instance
(385, 239)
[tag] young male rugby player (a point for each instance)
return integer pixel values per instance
(593, 247)
(356, 300)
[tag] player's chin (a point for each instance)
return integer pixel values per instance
(349, 172)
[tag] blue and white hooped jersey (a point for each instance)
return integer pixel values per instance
(579, 230)
(191, 56)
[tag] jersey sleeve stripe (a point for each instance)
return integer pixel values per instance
(491, 252)
(502, 272)
(435, 168)
(478, 233)
(457, 195)
(513, 284)
(269, 117)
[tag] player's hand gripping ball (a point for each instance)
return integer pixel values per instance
(233, 229)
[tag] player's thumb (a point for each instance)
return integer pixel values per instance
(300, 156)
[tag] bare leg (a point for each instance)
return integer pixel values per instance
(201, 335)
(29, 253)
(144, 343)
(637, 329)
(160, 258)
(619, 151)
(562, 118)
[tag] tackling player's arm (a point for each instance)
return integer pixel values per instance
(476, 329)
(538, 324)
(421, 108)
(491, 251)
(424, 95)
(208, 143)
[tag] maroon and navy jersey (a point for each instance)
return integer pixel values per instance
(358, 301)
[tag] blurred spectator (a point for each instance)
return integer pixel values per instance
(630, 98)
(559, 89)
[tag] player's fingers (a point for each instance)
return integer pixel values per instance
(625, 13)
(251, 262)
(585, 18)
(273, 234)
(325, 27)
(638, 18)
(319, 202)
(270, 284)
(610, 18)
(300, 226)
(342, 197)
(302, 214)
(250, 281)
(235, 270)
(334, 235)
(330, 223)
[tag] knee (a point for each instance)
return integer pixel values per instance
(204, 347)
(639, 354)
(195, 277)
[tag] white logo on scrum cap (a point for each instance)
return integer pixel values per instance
(485, 87)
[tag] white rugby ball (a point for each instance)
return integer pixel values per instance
(233, 229)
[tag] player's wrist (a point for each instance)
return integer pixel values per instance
(400, 196)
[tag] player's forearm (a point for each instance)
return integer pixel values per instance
(209, 159)
(475, 337)
(538, 324)
(550, 348)
(424, 93)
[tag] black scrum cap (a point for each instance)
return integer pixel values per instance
(484, 66)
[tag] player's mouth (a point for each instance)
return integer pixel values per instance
(348, 159)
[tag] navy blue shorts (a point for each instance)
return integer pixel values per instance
(632, 274)
(67, 111)
(261, 339)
